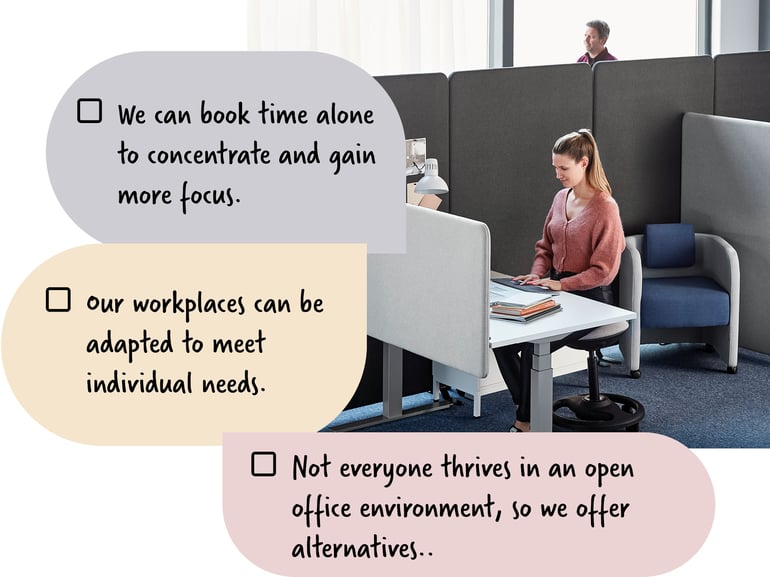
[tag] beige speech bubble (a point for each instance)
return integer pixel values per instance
(233, 337)
(598, 504)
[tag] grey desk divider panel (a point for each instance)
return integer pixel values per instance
(742, 85)
(422, 101)
(503, 123)
(638, 109)
(726, 191)
(434, 299)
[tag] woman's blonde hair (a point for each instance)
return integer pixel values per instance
(578, 144)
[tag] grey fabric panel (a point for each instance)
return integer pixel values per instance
(434, 299)
(422, 101)
(742, 85)
(638, 109)
(503, 123)
(726, 191)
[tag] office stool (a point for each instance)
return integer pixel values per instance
(599, 411)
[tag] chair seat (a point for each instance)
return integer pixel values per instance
(683, 302)
(606, 331)
(600, 337)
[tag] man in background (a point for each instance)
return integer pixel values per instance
(595, 37)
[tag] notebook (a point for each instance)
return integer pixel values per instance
(524, 319)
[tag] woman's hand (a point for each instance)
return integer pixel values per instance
(527, 278)
(554, 285)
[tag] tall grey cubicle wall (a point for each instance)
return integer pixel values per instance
(503, 123)
(738, 194)
(638, 109)
(742, 85)
(726, 191)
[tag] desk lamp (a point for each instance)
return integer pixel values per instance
(424, 191)
(431, 183)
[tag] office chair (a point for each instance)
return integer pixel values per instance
(598, 411)
(684, 288)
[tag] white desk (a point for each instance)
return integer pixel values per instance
(577, 313)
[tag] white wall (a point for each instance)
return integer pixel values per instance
(735, 26)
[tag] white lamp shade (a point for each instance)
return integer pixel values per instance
(431, 183)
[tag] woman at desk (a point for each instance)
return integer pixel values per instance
(579, 252)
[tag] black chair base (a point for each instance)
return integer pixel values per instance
(598, 411)
(610, 412)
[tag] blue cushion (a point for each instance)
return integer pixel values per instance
(683, 302)
(669, 245)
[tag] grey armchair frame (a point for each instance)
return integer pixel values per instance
(714, 258)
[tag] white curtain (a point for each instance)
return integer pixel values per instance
(380, 36)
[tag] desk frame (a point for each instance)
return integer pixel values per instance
(393, 394)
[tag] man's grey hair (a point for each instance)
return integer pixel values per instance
(601, 27)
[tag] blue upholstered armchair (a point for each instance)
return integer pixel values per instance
(684, 287)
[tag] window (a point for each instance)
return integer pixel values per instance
(552, 32)
(382, 37)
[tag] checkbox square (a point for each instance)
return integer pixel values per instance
(263, 464)
(58, 299)
(89, 110)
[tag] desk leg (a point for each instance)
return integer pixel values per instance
(542, 389)
(392, 393)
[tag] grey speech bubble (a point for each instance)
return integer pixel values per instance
(230, 147)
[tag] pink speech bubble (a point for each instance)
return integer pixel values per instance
(414, 504)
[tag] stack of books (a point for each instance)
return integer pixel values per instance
(524, 311)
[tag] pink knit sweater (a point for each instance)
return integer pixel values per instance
(590, 244)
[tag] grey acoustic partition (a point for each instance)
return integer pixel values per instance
(638, 109)
(503, 123)
(726, 191)
(742, 85)
(434, 299)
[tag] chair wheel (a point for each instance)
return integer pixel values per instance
(636, 374)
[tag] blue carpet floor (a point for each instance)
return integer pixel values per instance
(686, 392)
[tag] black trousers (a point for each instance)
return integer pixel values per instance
(515, 361)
